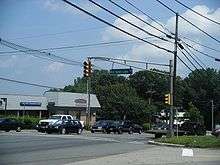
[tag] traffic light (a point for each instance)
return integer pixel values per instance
(87, 69)
(167, 99)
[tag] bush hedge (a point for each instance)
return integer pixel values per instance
(29, 122)
(146, 126)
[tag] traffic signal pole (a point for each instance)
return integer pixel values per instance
(173, 80)
(88, 86)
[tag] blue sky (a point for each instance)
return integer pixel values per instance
(41, 24)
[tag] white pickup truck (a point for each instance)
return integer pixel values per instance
(43, 124)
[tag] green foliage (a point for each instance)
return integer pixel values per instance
(28, 121)
(129, 97)
(193, 113)
(193, 141)
(146, 126)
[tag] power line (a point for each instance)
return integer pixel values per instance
(184, 63)
(201, 44)
(167, 35)
(130, 23)
(189, 22)
(38, 53)
(198, 13)
(188, 59)
(144, 13)
(58, 33)
(94, 16)
(194, 59)
(27, 83)
(194, 55)
(82, 45)
(205, 54)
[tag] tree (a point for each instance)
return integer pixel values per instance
(193, 114)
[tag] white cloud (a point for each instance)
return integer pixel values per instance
(9, 62)
(187, 29)
(146, 52)
(111, 33)
(54, 67)
(55, 5)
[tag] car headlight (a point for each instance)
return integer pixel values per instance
(57, 127)
(37, 125)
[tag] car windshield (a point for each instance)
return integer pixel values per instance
(55, 117)
(58, 122)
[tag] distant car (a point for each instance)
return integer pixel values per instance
(65, 127)
(129, 127)
(114, 127)
(43, 124)
(8, 124)
(193, 128)
(101, 126)
(216, 132)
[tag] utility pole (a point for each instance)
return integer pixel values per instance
(170, 133)
(174, 77)
(212, 115)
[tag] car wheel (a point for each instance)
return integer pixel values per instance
(130, 131)
(119, 131)
(79, 131)
(7, 130)
(139, 131)
(18, 129)
(92, 131)
(104, 131)
(63, 131)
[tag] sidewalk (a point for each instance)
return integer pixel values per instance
(157, 155)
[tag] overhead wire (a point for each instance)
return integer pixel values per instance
(188, 58)
(206, 33)
(151, 18)
(198, 13)
(184, 64)
(201, 44)
(124, 9)
(195, 55)
(102, 20)
(28, 83)
(83, 45)
(130, 23)
(38, 53)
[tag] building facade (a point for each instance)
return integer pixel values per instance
(50, 103)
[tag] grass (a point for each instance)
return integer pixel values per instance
(193, 141)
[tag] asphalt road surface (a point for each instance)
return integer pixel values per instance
(31, 147)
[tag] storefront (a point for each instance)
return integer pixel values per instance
(50, 103)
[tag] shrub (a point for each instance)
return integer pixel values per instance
(146, 126)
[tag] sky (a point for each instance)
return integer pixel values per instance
(39, 24)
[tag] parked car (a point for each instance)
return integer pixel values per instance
(8, 124)
(193, 128)
(43, 124)
(114, 127)
(101, 126)
(65, 127)
(216, 132)
(128, 126)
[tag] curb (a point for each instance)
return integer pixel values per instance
(165, 144)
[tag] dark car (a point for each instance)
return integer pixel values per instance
(130, 127)
(216, 132)
(101, 126)
(193, 128)
(8, 124)
(115, 127)
(65, 127)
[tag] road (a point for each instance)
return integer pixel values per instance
(39, 148)
(31, 147)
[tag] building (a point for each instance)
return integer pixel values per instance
(23, 105)
(50, 103)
